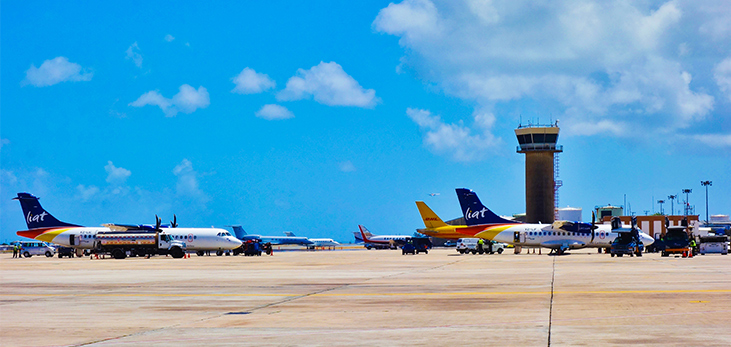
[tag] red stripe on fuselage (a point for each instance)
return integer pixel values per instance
(33, 233)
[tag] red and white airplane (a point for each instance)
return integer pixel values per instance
(381, 241)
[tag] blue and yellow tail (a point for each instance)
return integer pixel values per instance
(475, 212)
(35, 216)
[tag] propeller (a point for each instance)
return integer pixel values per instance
(174, 222)
(593, 226)
(157, 223)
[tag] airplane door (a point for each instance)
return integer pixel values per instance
(516, 237)
(72, 239)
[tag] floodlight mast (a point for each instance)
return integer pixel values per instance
(706, 184)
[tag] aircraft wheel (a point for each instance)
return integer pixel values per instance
(200, 253)
(219, 253)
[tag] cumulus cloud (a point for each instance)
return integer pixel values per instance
(456, 140)
(116, 175)
(87, 193)
(187, 100)
(55, 71)
(722, 75)
(169, 38)
(252, 82)
(328, 84)
(187, 184)
(613, 64)
(134, 53)
(274, 112)
(347, 166)
(714, 140)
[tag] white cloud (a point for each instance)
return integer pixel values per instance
(329, 85)
(187, 100)
(347, 166)
(714, 140)
(252, 82)
(55, 71)
(274, 112)
(722, 75)
(134, 53)
(87, 193)
(456, 140)
(169, 38)
(614, 64)
(116, 175)
(187, 184)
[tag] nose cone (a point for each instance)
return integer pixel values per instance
(234, 241)
(647, 240)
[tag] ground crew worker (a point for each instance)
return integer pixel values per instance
(480, 244)
(15, 251)
(20, 250)
(692, 245)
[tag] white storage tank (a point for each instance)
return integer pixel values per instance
(569, 213)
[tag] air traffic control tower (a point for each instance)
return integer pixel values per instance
(538, 142)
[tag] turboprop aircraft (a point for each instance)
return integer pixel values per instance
(559, 236)
(288, 239)
(45, 227)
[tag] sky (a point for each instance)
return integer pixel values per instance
(317, 116)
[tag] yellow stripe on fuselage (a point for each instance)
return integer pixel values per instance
(48, 236)
(491, 232)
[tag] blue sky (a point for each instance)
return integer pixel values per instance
(315, 117)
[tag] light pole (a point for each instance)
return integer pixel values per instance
(672, 206)
(687, 203)
(661, 202)
(706, 184)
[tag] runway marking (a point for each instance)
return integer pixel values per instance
(669, 291)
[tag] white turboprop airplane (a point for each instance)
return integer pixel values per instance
(381, 241)
(559, 236)
(43, 226)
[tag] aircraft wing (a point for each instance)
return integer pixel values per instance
(121, 227)
(563, 244)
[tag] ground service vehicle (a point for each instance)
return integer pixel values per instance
(415, 245)
(713, 244)
(469, 245)
(31, 248)
(626, 243)
(138, 243)
(676, 241)
(65, 252)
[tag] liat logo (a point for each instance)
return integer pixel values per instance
(431, 219)
(35, 219)
(477, 214)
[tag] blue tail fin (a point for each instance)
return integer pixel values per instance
(35, 216)
(238, 231)
(475, 212)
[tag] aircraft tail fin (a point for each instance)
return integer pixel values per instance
(289, 233)
(238, 231)
(35, 216)
(431, 220)
(475, 212)
(364, 233)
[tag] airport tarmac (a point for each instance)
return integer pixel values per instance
(360, 297)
